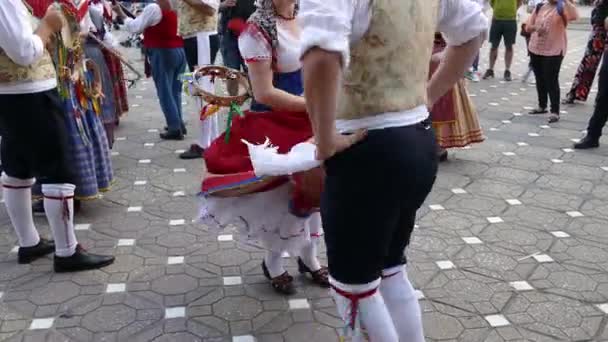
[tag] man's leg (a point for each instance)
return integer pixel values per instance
(600, 112)
(163, 80)
(495, 37)
(510, 35)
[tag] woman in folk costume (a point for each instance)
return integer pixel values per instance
(89, 152)
(95, 52)
(454, 116)
(101, 15)
(277, 213)
(585, 74)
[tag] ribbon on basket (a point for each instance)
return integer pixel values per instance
(234, 109)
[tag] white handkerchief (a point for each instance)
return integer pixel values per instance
(267, 161)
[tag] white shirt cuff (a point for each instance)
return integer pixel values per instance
(313, 37)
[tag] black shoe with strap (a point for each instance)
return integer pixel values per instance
(81, 260)
(319, 277)
(508, 76)
(489, 74)
(587, 142)
(282, 284)
(26, 255)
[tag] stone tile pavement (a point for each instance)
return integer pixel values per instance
(511, 244)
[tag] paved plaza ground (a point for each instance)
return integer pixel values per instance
(511, 244)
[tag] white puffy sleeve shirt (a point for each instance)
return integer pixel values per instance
(335, 25)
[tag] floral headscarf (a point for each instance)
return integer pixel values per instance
(265, 18)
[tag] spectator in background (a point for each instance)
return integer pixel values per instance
(548, 46)
(593, 54)
(233, 13)
(473, 73)
(504, 25)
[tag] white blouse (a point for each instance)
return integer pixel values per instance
(255, 47)
(333, 25)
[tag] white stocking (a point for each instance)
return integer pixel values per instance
(274, 263)
(59, 208)
(371, 312)
(18, 201)
(402, 303)
(308, 254)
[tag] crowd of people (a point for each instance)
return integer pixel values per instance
(361, 97)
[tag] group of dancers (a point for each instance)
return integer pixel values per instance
(357, 154)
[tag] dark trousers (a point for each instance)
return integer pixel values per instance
(546, 71)
(191, 48)
(371, 195)
(600, 113)
(34, 137)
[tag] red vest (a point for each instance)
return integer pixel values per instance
(164, 34)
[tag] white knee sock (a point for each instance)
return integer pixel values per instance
(18, 201)
(402, 303)
(308, 254)
(274, 263)
(371, 312)
(59, 208)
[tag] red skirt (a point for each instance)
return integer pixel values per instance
(283, 129)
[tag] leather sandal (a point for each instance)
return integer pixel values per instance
(282, 284)
(319, 277)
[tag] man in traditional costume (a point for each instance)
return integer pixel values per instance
(367, 96)
(198, 26)
(32, 112)
(164, 48)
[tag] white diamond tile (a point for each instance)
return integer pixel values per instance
(144, 161)
(509, 154)
(521, 285)
(483, 91)
(575, 140)
(419, 294)
(472, 240)
(522, 144)
(445, 264)
(299, 304)
(506, 121)
(568, 150)
(42, 323)
(126, 242)
(495, 220)
(563, 112)
(528, 108)
(285, 255)
(504, 98)
(542, 258)
(179, 170)
(114, 288)
(1, 294)
(114, 154)
(232, 281)
(179, 222)
(179, 151)
(179, 194)
(575, 214)
(517, 114)
(15, 249)
(513, 202)
(149, 145)
(605, 168)
(545, 126)
(176, 312)
(497, 320)
(436, 207)
(224, 238)
(494, 129)
(82, 226)
(533, 134)
(134, 209)
(560, 234)
(493, 86)
(459, 191)
(493, 104)
(514, 94)
(135, 105)
(153, 130)
(244, 338)
(557, 161)
(140, 182)
(603, 307)
(121, 138)
(175, 260)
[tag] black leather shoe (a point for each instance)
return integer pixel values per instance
(29, 254)
(81, 261)
(586, 143)
(194, 152)
(508, 76)
(184, 129)
(172, 135)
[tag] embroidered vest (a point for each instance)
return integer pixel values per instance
(192, 21)
(41, 70)
(389, 65)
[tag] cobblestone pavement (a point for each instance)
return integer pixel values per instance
(511, 244)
